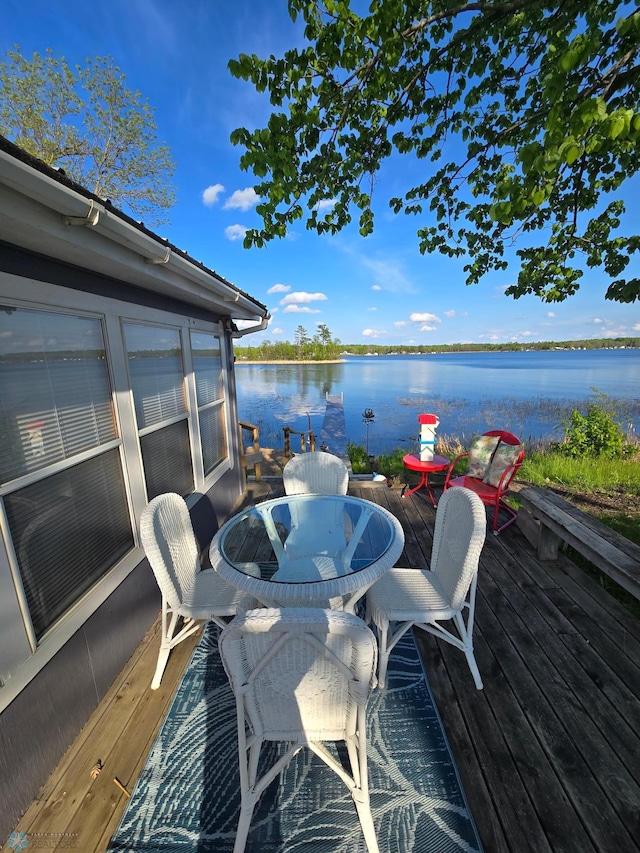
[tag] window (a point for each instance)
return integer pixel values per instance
(207, 368)
(60, 468)
(55, 394)
(68, 530)
(157, 380)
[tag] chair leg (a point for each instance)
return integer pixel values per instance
(360, 793)
(363, 807)
(383, 652)
(166, 645)
(246, 813)
(511, 513)
(163, 657)
(467, 648)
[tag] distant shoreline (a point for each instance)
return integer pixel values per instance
(290, 361)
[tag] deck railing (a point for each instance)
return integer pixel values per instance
(307, 435)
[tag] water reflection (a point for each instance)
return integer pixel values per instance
(528, 393)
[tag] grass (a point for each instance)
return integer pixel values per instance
(586, 474)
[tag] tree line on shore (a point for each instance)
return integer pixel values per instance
(322, 347)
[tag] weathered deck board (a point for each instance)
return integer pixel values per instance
(548, 753)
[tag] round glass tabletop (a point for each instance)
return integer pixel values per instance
(308, 550)
(301, 539)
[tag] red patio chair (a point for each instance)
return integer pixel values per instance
(500, 471)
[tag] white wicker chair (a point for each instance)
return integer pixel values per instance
(188, 591)
(303, 676)
(315, 473)
(426, 598)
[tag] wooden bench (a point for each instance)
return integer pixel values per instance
(548, 521)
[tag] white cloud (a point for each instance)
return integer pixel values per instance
(235, 232)
(616, 330)
(597, 320)
(301, 309)
(279, 288)
(427, 328)
(425, 317)
(526, 334)
(451, 313)
(276, 331)
(242, 199)
(326, 204)
(400, 323)
(376, 287)
(551, 314)
(244, 324)
(299, 296)
(210, 195)
(636, 327)
(372, 333)
(388, 270)
(372, 308)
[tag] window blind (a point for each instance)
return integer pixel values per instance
(166, 456)
(212, 436)
(68, 530)
(55, 392)
(156, 373)
(207, 367)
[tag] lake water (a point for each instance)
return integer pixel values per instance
(527, 393)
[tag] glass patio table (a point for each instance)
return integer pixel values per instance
(308, 550)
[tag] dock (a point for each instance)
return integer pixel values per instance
(333, 434)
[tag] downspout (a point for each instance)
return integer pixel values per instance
(240, 333)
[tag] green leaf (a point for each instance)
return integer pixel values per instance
(538, 196)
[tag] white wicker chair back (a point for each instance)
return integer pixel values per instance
(316, 473)
(170, 545)
(458, 539)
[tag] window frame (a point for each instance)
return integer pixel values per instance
(187, 415)
(223, 401)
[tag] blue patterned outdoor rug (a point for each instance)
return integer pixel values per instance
(188, 798)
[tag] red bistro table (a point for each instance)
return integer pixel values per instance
(414, 463)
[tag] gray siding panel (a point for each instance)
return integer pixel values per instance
(114, 631)
(40, 725)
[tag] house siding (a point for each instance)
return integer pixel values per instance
(44, 718)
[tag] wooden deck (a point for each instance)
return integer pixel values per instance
(548, 752)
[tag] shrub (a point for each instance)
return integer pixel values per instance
(595, 434)
(359, 460)
(390, 464)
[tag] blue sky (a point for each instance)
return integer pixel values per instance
(377, 289)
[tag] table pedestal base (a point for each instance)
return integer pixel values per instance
(424, 481)
(424, 468)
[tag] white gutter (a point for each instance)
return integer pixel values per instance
(75, 210)
(240, 333)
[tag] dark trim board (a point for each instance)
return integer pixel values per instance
(26, 264)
